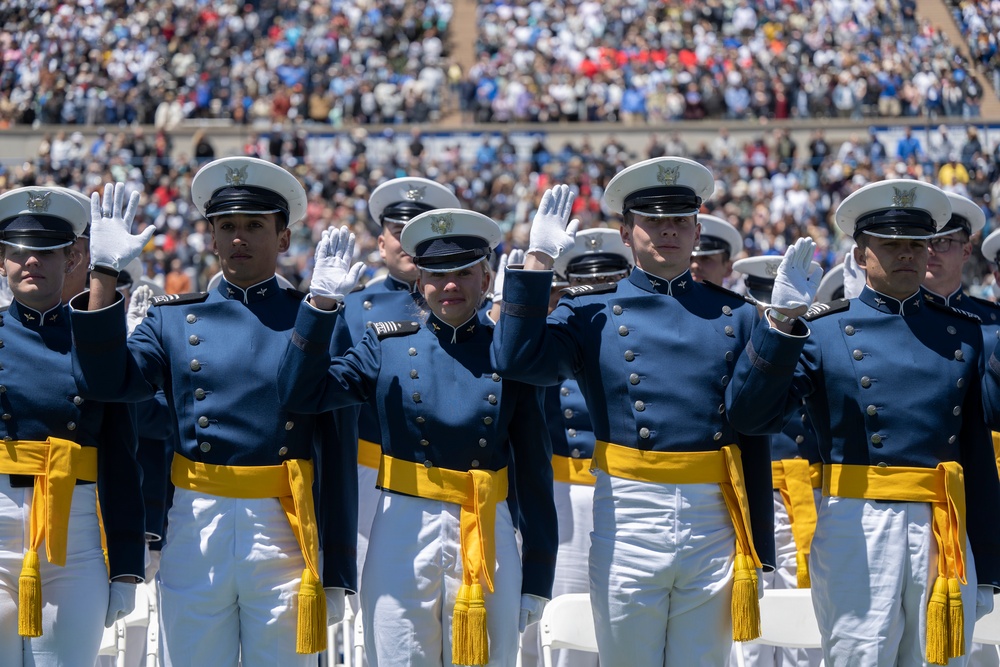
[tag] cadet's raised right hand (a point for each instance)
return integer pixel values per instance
(333, 276)
(552, 233)
(112, 244)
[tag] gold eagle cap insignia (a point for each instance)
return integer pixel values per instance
(594, 242)
(668, 175)
(236, 176)
(415, 193)
(771, 269)
(903, 198)
(442, 224)
(38, 202)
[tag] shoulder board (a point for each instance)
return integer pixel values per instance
(389, 329)
(579, 290)
(729, 292)
(986, 303)
(179, 299)
(818, 310)
(298, 295)
(954, 311)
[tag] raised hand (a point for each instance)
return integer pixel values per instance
(333, 275)
(797, 281)
(112, 244)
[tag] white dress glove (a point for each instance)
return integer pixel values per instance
(552, 233)
(984, 601)
(855, 277)
(112, 244)
(760, 583)
(138, 305)
(531, 610)
(513, 258)
(333, 276)
(335, 599)
(121, 602)
(796, 283)
(152, 564)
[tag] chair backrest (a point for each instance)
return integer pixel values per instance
(988, 628)
(787, 619)
(568, 622)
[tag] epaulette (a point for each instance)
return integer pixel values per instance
(818, 310)
(729, 292)
(389, 329)
(178, 299)
(578, 290)
(954, 311)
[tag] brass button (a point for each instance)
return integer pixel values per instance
(492, 398)
(623, 330)
(567, 413)
(420, 420)
(496, 377)
(959, 355)
(799, 439)
(71, 426)
(957, 410)
(416, 397)
(575, 453)
(5, 416)
(414, 374)
(617, 310)
(571, 432)
(726, 310)
(195, 365)
(199, 394)
(629, 355)
(475, 463)
(883, 464)
(717, 436)
(289, 425)
(722, 408)
(7, 438)
(634, 378)
(564, 391)
(849, 330)
(644, 432)
(858, 355)
(871, 410)
(639, 406)
(729, 330)
(952, 440)
(191, 319)
(3, 389)
(77, 400)
(876, 439)
(193, 339)
(424, 443)
(428, 464)
(205, 446)
(961, 381)
(282, 451)
(482, 442)
(203, 421)
(729, 355)
(487, 420)
(866, 381)
(952, 330)
(367, 305)
(724, 380)
(412, 351)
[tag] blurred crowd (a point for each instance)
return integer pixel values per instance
(115, 62)
(980, 24)
(770, 187)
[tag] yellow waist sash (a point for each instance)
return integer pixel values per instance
(477, 492)
(291, 483)
(723, 467)
(369, 454)
(568, 470)
(944, 488)
(56, 464)
(996, 448)
(795, 479)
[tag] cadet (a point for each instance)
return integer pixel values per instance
(797, 475)
(240, 574)
(390, 298)
(443, 581)
(718, 246)
(653, 355)
(892, 384)
(57, 445)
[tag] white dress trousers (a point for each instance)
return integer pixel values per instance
(412, 575)
(74, 597)
(872, 567)
(368, 501)
(229, 578)
(661, 571)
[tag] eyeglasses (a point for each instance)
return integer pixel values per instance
(943, 244)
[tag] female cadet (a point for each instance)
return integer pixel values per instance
(54, 593)
(442, 570)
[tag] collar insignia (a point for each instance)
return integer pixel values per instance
(668, 175)
(903, 198)
(654, 283)
(29, 317)
(880, 301)
(682, 283)
(442, 224)
(236, 176)
(262, 291)
(38, 202)
(229, 290)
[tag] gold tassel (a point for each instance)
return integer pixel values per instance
(802, 569)
(29, 597)
(746, 606)
(460, 627)
(310, 636)
(478, 637)
(956, 620)
(937, 623)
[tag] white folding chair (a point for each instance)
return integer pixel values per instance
(339, 641)
(153, 626)
(786, 619)
(987, 629)
(113, 643)
(567, 622)
(359, 641)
